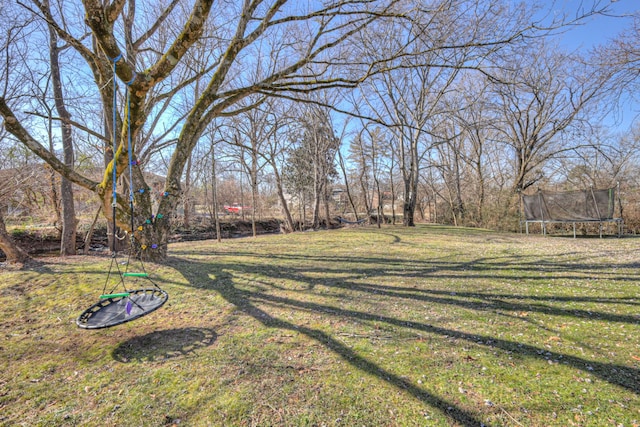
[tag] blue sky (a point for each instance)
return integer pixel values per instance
(597, 29)
(600, 29)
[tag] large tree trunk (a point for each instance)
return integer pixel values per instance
(303, 210)
(68, 238)
(151, 231)
(393, 190)
(410, 199)
(410, 177)
(316, 198)
(69, 221)
(288, 219)
(55, 197)
(14, 253)
(214, 194)
(346, 186)
(254, 190)
(380, 206)
(186, 196)
(326, 197)
(408, 210)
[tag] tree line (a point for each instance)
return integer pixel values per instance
(442, 110)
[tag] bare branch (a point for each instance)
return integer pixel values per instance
(13, 125)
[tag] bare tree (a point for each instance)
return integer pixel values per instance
(361, 162)
(540, 96)
(271, 48)
(208, 165)
(367, 152)
(144, 58)
(69, 222)
(621, 56)
(9, 184)
(275, 150)
(250, 131)
(347, 185)
(409, 98)
(12, 50)
(474, 140)
(611, 159)
(450, 166)
(13, 252)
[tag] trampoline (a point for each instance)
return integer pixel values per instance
(589, 206)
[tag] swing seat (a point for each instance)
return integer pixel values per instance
(116, 309)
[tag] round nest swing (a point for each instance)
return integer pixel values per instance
(115, 309)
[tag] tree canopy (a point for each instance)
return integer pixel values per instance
(145, 85)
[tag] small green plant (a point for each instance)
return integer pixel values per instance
(17, 232)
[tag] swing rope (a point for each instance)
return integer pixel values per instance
(114, 252)
(114, 308)
(131, 192)
(114, 177)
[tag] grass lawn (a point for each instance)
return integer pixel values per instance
(428, 326)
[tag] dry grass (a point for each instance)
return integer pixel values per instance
(425, 326)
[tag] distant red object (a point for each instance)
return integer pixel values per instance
(235, 209)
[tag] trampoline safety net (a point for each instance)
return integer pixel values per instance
(581, 205)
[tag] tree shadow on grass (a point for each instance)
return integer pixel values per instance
(163, 345)
(243, 300)
(623, 376)
(479, 269)
(219, 276)
(481, 301)
(507, 266)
